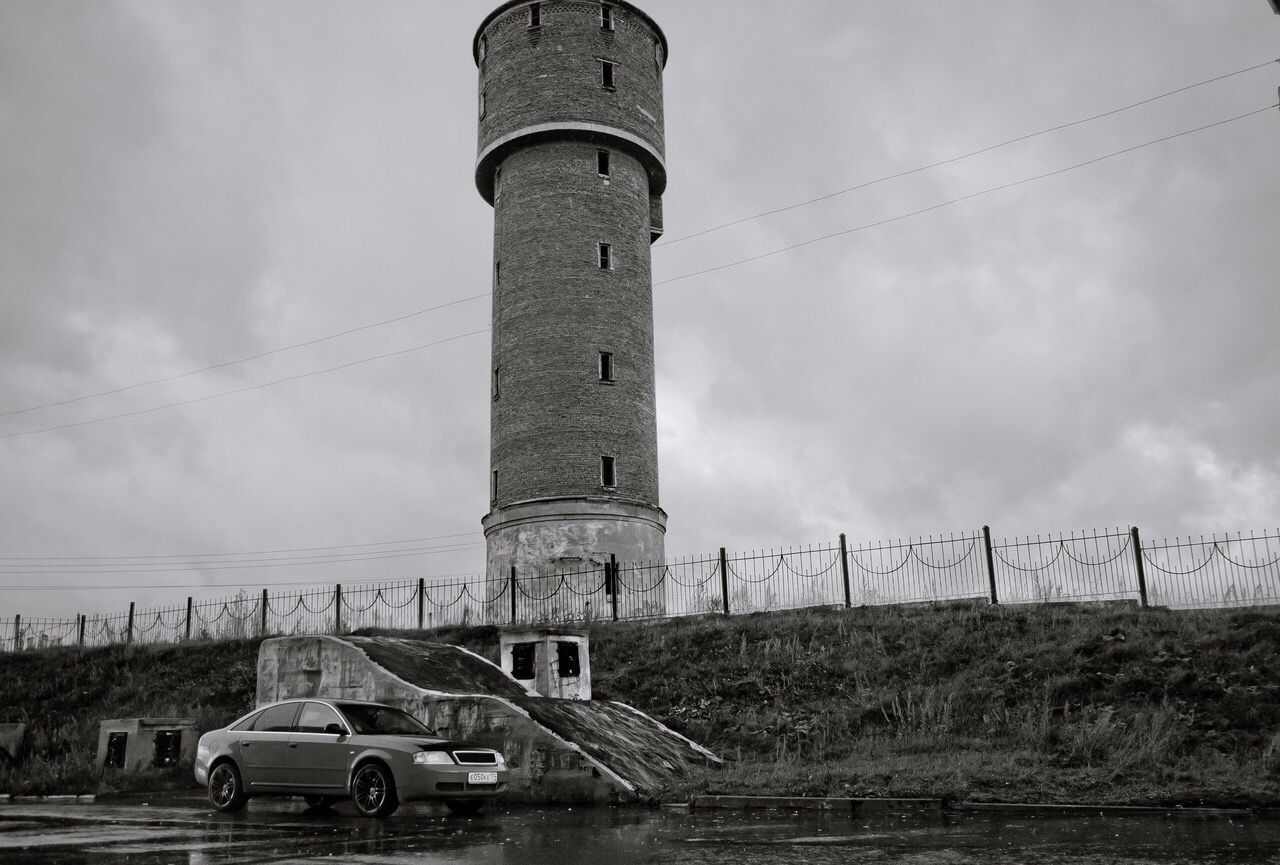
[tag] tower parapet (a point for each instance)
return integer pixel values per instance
(571, 158)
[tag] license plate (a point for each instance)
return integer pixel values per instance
(482, 777)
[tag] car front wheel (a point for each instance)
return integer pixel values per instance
(374, 791)
(226, 790)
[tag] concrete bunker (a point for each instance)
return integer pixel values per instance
(558, 750)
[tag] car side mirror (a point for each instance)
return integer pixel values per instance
(335, 729)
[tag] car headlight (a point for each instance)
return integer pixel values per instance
(432, 758)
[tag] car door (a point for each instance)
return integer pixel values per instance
(264, 748)
(319, 760)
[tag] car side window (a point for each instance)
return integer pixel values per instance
(247, 723)
(277, 719)
(315, 717)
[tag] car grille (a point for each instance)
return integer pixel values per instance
(475, 758)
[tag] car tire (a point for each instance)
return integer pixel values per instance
(373, 791)
(318, 803)
(464, 807)
(226, 789)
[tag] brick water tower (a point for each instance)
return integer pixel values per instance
(571, 158)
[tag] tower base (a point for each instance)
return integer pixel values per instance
(561, 536)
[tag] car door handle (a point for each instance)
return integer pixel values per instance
(245, 744)
(293, 744)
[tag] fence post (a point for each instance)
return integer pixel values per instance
(991, 563)
(422, 591)
(844, 570)
(188, 637)
(17, 633)
(265, 603)
(612, 582)
(1137, 560)
(513, 594)
(80, 640)
(724, 580)
(337, 608)
(128, 634)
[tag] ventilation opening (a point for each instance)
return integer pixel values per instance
(535, 14)
(608, 472)
(116, 745)
(606, 17)
(606, 74)
(493, 486)
(522, 655)
(602, 163)
(567, 664)
(496, 370)
(606, 256)
(168, 748)
(606, 366)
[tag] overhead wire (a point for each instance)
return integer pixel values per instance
(241, 553)
(247, 358)
(953, 159)
(245, 389)
(952, 201)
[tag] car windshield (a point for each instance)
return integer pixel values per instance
(369, 719)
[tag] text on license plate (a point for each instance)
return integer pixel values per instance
(482, 777)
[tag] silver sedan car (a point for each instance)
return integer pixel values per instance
(326, 750)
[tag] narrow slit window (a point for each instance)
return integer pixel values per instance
(493, 486)
(535, 14)
(606, 74)
(483, 50)
(608, 472)
(602, 163)
(606, 366)
(606, 256)
(606, 16)
(496, 369)
(497, 273)
(481, 103)
(497, 183)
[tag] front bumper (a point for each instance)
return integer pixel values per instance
(423, 781)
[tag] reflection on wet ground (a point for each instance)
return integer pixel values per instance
(187, 831)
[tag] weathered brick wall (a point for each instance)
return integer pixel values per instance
(552, 72)
(555, 310)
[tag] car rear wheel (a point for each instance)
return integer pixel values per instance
(226, 790)
(463, 807)
(374, 791)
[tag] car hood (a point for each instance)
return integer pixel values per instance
(419, 743)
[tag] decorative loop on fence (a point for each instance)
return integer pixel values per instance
(288, 612)
(624, 584)
(825, 570)
(461, 592)
(973, 544)
(155, 621)
(715, 569)
(377, 596)
(876, 573)
(544, 598)
(568, 584)
(1000, 555)
(769, 576)
(1123, 548)
(328, 602)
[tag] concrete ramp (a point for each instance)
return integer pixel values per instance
(558, 750)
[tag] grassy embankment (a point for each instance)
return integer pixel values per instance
(1046, 704)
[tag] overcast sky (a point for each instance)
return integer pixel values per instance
(184, 184)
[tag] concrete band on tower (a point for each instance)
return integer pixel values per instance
(571, 158)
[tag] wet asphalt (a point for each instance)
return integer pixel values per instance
(184, 829)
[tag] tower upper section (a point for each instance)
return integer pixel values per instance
(571, 69)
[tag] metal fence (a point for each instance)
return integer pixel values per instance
(1116, 564)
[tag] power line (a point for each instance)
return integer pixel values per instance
(242, 553)
(245, 389)
(227, 363)
(982, 192)
(241, 566)
(978, 152)
(257, 585)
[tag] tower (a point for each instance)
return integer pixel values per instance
(571, 158)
